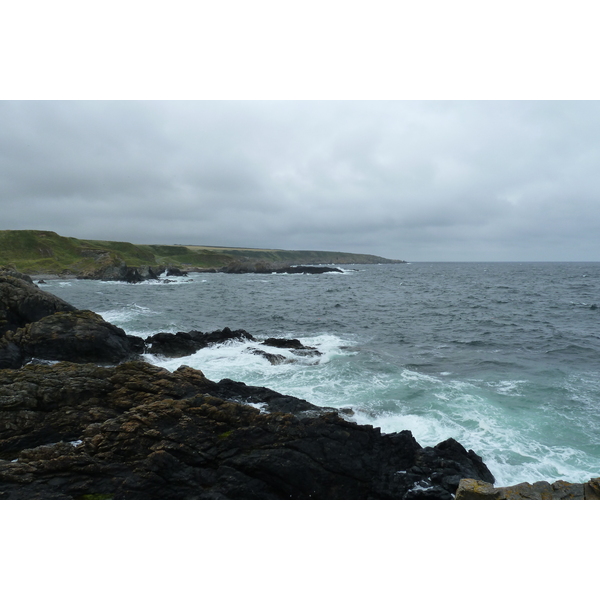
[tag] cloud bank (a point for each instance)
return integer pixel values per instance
(428, 180)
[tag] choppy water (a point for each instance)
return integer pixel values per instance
(501, 356)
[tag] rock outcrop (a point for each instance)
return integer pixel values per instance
(22, 302)
(124, 273)
(177, 345)
(79, 336)
(471, 489)
(293, 345)
(136, 431)
(35, 324)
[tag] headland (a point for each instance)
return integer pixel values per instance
(45, 253)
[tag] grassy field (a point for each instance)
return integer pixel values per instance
(36, 252)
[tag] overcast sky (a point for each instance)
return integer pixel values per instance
(420, 181)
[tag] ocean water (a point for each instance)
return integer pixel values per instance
(503, 357)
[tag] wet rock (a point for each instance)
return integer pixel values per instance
(273, 401)
(77, 336)
(22, 302)
(172, 345)
(176, 345)
(274, 359)
(294, 345)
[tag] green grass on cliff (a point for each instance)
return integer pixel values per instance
(36, 252)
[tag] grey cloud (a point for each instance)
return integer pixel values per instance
(414, 180)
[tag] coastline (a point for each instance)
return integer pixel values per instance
(85, 411)
(392, 466)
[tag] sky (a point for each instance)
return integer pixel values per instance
(412, 180)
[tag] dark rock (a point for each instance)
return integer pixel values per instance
(124, 273)
(11, 355)
(136, 431)
(22, 302)
(172, 345)
(78, 336)
(309, 270)
(221, 336)
(294, 345)
(175, 272)
(10, 272)
(38, 325)
(176, 345)
(284, 343)
(450, 457)
(41, 281)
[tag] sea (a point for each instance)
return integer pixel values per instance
(502, 357)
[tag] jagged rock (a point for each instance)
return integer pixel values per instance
(22, 302)
(137, 431)
(273, 401)
(37, 324)
(472, 489)
(78, 336)
(10, 272)
(294, 345)
(172, 345)
(436, 471)
(175, 272)
(176, 345)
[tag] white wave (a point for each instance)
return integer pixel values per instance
(508, 388)
(126, 313)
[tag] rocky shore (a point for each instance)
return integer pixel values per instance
(128, 274)
(102, 423)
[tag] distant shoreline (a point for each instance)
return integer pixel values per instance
(48, 254)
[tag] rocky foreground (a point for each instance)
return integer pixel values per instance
(105, 424)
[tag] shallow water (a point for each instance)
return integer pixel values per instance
(501, 356)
